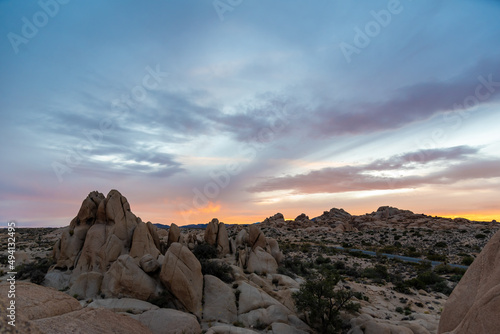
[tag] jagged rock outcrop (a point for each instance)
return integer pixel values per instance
(277, 220)
(104, 230)
(474, 304)
(211, 232)
(256, 238)
(181, 274)
(109, 237)
(69, 246)
(303, 220)
(174, 234)
(216, 235)
(385, 212)
(223, 240)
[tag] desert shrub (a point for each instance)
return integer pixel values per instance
(322, 260)
(440, 244)
(467, 260)
(322, 301)
(35, 271)
(447, 269)
(436, 257)
(293, 267)
(388, 249)
(377, 273)
(220, 270)
(205, 251)
(346, 245)
(305, 248)
(431, 281)
(480, 236)
(339, 265)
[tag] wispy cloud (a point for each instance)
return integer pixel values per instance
(453, 168)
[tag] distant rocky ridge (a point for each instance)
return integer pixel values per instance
(107, 253)
(339, 220)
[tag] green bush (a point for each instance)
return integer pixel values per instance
(293, 267)
(377, 273)
(467, 260)
(220, 270)
(447, 269)
(322, 301)
(436, 257)
(35, 271)
(339, 265)
(322, 260)
(205, 251)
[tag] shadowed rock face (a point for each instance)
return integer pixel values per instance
(474, 305)
(104, 229)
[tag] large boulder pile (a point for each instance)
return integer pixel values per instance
(110, 259)
(474, 304)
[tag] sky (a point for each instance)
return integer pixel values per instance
(239, 109)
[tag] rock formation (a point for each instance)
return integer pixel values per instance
(474, 304)
(107, 252)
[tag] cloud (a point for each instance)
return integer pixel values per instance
(355, 178)
(414, 103)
